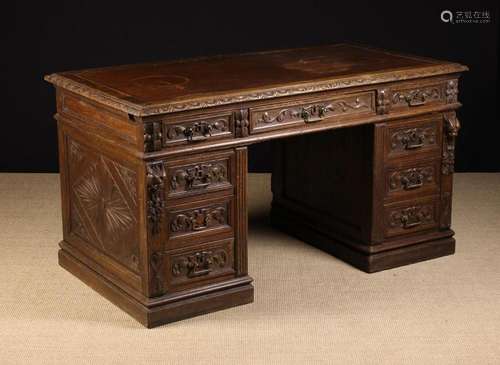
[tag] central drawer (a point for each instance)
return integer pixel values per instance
(303, 111)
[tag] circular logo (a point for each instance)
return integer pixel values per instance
(447, 16)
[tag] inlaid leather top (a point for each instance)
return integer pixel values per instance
(145, 89)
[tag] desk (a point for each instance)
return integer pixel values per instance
(153, 162)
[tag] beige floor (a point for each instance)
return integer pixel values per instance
(309, 307)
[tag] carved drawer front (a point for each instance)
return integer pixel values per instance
(200, 175)
(413, 178)
(407, 97)
(192, 223)
(410, 217)
(412, 138)
(199, 265)
(194, 130)
(292, 114)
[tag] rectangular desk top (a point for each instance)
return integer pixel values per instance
(166, 87)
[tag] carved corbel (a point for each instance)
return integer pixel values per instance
(155, 176)
(383, 101)
(241, 122)
(153, 136)
(451, 91)
(451, 128)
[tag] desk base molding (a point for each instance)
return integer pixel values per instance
(368, 262)
(160, 310)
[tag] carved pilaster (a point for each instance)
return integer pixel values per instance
(156, 200)
(153, 136)
(451, 128)
(157, 272)
(383, 101)
(241, 122)
(451, 91)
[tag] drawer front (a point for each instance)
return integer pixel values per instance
(193, 223)
(199, 129)
(412, 138)
(292, 114)
(410, 217)
(202, 264)
(200, 175)
(414, 178)
(408, 97)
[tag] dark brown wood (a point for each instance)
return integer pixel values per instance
(153, 162)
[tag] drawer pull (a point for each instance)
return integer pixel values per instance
(198, 186)
(199, 263)
(199, 131)
(413, 180)
(411, 217)
(313, 113)
(413, 139)
(412, 185)
(413, 146)
(416, 102)
(408, 224)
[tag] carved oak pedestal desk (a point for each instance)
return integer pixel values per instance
(153, 162)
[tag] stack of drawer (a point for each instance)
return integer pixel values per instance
(412, 174)
(199, 220)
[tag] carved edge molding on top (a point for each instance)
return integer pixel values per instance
(164, 108)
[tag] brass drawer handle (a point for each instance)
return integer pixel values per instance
(313, 113)
(199, 263)
(413, 146)
(411, 224)
(412, 185)
(416, 102)
(410, 221)
(413, 180)
(198, 273)
(413, 139)
(201, 131)
(198, 186)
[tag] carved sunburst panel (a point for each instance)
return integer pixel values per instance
(103, 206)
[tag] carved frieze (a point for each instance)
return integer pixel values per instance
(198, 219)
(200, 263)
(155, 176)
(200, 176)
